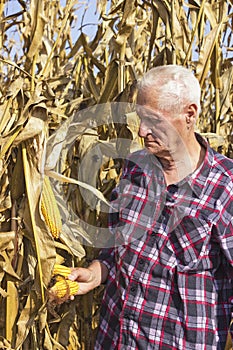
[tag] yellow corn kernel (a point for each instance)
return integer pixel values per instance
(49, 209)
(61, 270)
(64, 288)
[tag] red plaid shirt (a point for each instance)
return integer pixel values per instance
(171, 270)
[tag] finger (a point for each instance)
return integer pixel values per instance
(80, 275)
(73, 275)
(84, 288)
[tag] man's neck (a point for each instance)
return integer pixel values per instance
(182, 164)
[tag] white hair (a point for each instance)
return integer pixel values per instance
(172, 86)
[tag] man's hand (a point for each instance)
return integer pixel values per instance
(89, 278)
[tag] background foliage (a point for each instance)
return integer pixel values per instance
(50, 84)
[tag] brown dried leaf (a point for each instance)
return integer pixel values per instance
(37, 26)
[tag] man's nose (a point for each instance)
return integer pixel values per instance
(143, 130)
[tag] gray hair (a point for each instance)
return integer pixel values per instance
(172, 86)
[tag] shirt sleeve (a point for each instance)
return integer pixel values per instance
(226, 239)
(225, 223)
(132, 173)
(107, 254)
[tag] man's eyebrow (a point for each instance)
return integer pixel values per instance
(149, 116)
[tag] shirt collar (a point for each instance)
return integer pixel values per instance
(198, 179)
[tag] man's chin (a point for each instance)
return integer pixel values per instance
(155, 149)
(152, 149)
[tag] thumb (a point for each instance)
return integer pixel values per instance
(80, 274)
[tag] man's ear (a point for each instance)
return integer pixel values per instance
(191, 113)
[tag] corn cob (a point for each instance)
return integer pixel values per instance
(17, 179)
(49, 209)
(61, 270)
(64, 288)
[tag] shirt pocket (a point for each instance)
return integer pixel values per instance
(190, 242)
(133, 215)
(140, 206)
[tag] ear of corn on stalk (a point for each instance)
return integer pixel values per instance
(49, 209)
(17, 179)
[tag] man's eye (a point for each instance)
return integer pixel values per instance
(148, 119)
(151, 120)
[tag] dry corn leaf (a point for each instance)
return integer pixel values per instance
(45, 250)
(66, 322)
(26, 319)
(211, 14)
(110, 84)
(86, 186)
(5, 115)
(225, 94)
(214, 140)
(73, 234)
(4, 344)
(6, 239)
(34, 126)
(3, 293)
(37, 26)
(12, 306)
(62, 139)
(6, 266)
(206, 52)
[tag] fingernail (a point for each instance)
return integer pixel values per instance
(71, 277)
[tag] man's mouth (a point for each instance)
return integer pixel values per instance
(150, 142)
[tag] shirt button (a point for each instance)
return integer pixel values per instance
(133, 289)
(141, 261)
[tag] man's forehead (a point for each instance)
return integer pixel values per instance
(146, 110)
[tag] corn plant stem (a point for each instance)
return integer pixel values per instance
(77, 72)
(26, 175)
(121, 68)
(217, 92)
(1, 9)
(33, 72)
(1, 18)
(87, 328)
(14, 228)
(173, 31)
(217, 82)
(194, 32)
(217, 106)
(61, 31)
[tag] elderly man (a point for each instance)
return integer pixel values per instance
(169, 276)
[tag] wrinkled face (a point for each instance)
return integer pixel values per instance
(161, 130)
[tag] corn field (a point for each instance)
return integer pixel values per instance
(67, 120)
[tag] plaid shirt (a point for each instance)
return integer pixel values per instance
(171, 270)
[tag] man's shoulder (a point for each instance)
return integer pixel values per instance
(223, 163)
(139, 154)
(140, 161)
(138, 167)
